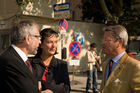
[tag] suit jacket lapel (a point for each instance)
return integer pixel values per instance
(104, 71)
(116, 72)
(22, 66)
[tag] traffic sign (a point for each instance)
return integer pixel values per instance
(62, 15)
(80, 38)
(61, 11)
(63, 24)
(75, 48)
(74, 62)
(61, 7)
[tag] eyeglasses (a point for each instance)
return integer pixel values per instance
(38, 37)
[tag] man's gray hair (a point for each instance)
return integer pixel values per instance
(21, 29)
(119, 32)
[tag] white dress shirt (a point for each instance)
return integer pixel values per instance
(21, 53)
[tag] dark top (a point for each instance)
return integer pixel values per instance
(57, 73)
(15, 75)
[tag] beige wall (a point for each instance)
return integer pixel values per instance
(8, 11)
(42, 8)
(8, 8)
(92, 33)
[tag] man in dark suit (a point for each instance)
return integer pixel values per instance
(16, 77)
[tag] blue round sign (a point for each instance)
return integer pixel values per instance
(80, 38)
(75, 48)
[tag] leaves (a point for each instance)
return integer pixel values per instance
(121, 12)
(23, 3)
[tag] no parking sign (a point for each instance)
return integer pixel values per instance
(63, 24)
(75, 48)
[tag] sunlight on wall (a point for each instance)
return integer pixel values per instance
(46, 26)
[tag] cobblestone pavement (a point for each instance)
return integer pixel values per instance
(78, 83)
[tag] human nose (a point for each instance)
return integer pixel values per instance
(39, 41)
(54, 44)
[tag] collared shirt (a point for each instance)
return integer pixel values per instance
(115, 62)
(20, 52)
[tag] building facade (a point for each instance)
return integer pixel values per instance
(42, 11)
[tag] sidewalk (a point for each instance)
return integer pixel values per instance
(78, 85)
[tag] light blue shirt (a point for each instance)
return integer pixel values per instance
(115, 62)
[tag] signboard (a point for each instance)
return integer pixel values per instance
(80, 38)
(61, 10)
(61, 15)
(74, 48)
(63, 24)
(62, 31)
(74, 62)
(61, 7)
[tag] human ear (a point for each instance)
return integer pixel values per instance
(27, 39)
(120, 42)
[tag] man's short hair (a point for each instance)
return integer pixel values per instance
(93, 45)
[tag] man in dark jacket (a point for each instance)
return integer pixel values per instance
(16, 77)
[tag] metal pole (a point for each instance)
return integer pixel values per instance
(73, 72)
(61, 44)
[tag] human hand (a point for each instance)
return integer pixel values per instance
(39, 85)
(98, 57)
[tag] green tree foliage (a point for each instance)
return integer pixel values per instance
(114, 11)
(92, 10)
(23, 3)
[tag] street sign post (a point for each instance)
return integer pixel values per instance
(61, 10)
(63, 24)
(74, 49)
